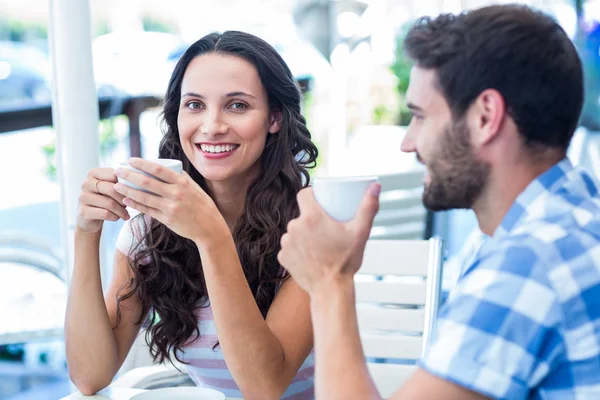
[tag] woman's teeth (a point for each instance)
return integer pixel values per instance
(223, 148)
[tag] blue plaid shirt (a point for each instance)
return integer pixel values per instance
(523, 321)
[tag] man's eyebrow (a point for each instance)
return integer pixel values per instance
(413, 107)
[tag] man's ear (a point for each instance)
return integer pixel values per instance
(486, 116)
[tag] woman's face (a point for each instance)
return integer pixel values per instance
(224, 117)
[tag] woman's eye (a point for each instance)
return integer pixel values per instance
(238, 106)
(194, 105)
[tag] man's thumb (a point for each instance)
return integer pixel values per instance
(368, 208)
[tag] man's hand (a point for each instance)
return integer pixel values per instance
(317, 248)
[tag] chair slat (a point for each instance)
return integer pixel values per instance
(396, 280)
(390, 319)
(401, 203)
(400, 216)
(391, 346)
(408, 235)
(393, 257)
(401, 213)
(407, 179)
(400, 227)
(409, 231)
(391, 293)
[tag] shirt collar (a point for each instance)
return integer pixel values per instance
(539, 187)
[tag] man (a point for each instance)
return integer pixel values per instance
(496, 94)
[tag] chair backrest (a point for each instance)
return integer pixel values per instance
(21, 248)
(397, 293)
(401, 211)
(31, 321)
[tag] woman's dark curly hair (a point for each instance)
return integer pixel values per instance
(167, 274)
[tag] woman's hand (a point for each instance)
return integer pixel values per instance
(98, 201)
(178, 202)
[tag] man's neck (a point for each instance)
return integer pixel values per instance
(506, 183)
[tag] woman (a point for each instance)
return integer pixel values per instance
(200, 263)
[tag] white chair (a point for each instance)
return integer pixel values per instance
(153, 377)
(31, 318)
(397, 293)
(401, 211)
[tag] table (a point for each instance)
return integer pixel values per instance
(112, 393)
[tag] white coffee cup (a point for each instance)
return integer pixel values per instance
(341, 197)
(172, 164)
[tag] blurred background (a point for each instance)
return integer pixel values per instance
(346, 56)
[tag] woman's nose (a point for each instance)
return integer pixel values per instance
(213, 125)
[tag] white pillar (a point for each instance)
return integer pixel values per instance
(74, 107)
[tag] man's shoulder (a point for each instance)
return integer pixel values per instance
(562, 255)
(517, 253)
(574, 206)
(560, 225)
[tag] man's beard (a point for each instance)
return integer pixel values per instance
(457, 177)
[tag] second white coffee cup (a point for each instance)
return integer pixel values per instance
(341, 197)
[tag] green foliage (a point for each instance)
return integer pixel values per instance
(101, 28)
(307, 102)
(153, 24)
(108, 134)
(49, 151)
(382, 114)
(401, 69)
(22, 31)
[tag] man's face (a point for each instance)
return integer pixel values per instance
(455, 176)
